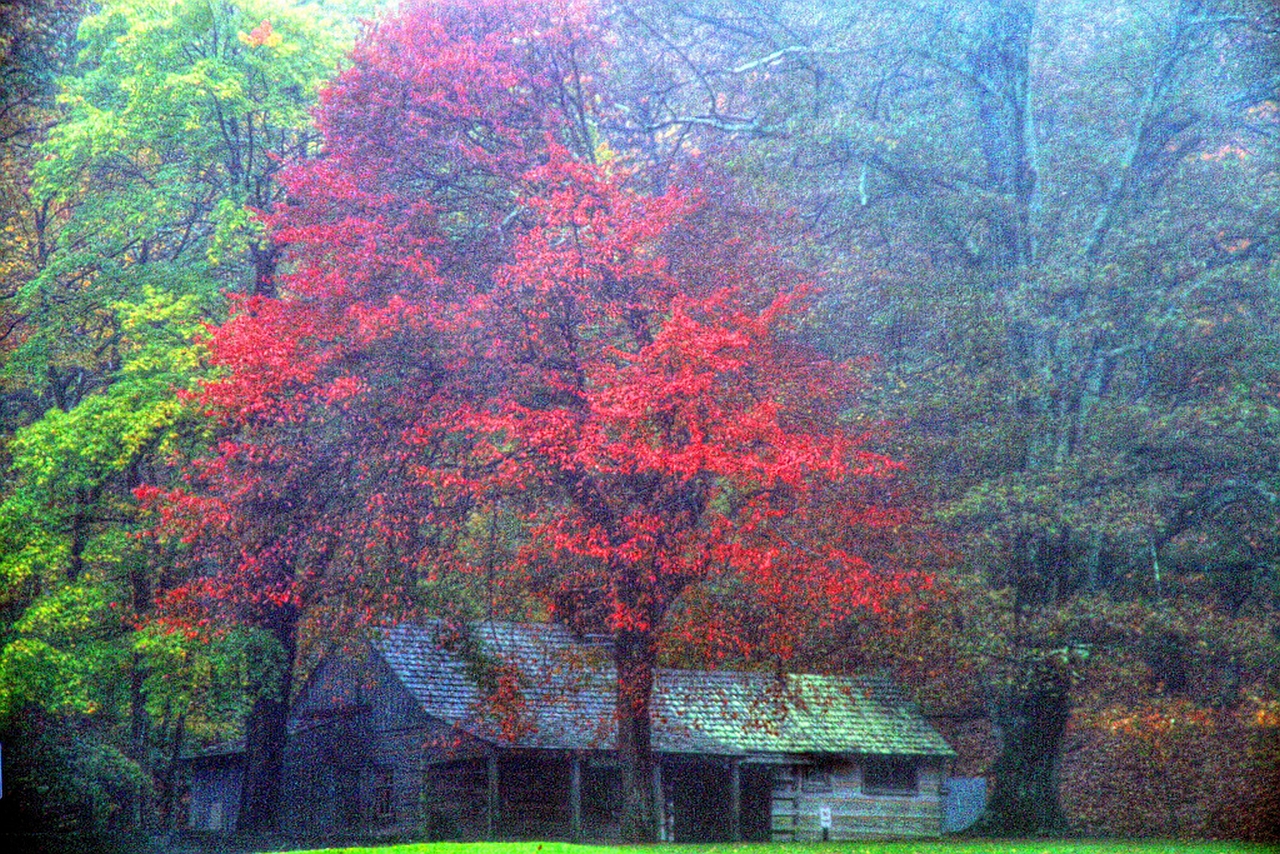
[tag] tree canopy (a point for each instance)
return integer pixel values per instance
(935, 336)
(484, 323)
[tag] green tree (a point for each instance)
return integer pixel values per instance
(74, 578)
(36, 45)
(171, 127)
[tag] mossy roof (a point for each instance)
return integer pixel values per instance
(567, 698)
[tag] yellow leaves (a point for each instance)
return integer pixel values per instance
(1225, 151)
(260, 36)
(1266, 715)
(1268, 111)
(72, 610)
(604, 153)
(147, 157)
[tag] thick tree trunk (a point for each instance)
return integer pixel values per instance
(1031, 717)
(634, 658)
(169, 803)
(265, 732)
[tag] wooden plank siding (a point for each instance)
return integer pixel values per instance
(215, 786)
(357, 753)
(802, 791)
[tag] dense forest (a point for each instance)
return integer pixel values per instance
(938, 337)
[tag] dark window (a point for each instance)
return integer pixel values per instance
(817, 780)
(889, 775)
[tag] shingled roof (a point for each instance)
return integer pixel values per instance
(567, 687)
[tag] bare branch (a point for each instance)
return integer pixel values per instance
(782, 53)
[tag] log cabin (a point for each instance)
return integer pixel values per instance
(505, 730)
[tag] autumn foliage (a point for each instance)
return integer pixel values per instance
(482, 319)
(494, 323)
(1170, 768)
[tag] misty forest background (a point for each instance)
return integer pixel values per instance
(1044, 232)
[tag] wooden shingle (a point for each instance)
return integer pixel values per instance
(567, 698)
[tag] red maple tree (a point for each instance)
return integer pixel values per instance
(482, 313)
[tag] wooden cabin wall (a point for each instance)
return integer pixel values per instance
(402, 740)
(321, 792)
(356, 753)
(802, 791)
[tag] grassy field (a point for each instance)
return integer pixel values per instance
(934, 847)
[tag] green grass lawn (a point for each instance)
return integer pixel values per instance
(926, 847)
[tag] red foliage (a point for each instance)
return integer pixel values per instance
(478, 315)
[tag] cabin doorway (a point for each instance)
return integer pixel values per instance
(700, 800)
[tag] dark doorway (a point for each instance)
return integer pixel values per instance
(601, 801)
(700, 799)
(533, 788)
(756, 817)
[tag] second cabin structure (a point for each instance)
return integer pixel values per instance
(506, 730)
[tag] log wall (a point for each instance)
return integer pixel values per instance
(802, 792)
(356, 754)
(214, 803)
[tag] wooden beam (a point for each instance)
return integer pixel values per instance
(491, 818)
(575, 797)
(735, 800)
(659, 803)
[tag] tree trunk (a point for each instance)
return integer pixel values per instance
(139, 737)
(265, 731)
(1031, 717)
(265, 257)
(169, 775)
(1001, 62)
(634, 659)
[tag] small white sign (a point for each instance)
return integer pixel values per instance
(824, 817)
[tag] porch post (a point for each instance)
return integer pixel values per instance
(491, 830)
(659, 802)
(575, 797)
(735, 800)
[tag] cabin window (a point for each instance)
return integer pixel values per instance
(816, 780)
(889, 775)
(382, 803)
